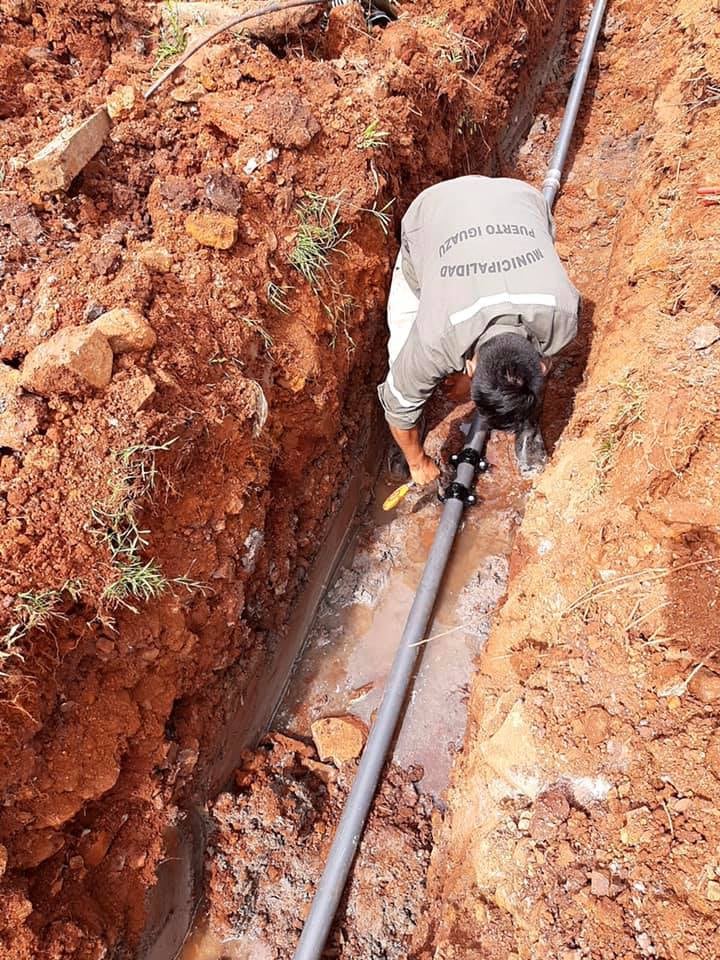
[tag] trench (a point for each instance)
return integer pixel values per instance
(341, 639)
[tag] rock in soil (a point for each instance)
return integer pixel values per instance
(125, 330)
(75, 361)
(339, 738)
(216, 230)
(270, 844)
(121, 102)
(56, 165)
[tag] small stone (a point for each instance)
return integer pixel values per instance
(705, 686)
(599, 884)
(187, 760)
(18, 216)
(713, 891)
(57, 164)
(75, 361)
(3, 860)
(704, 336)
(674, 703)
(550, 811)
(126, 330)
(224, 192)
(339, 738)
(217, 230)
(322, 770)
(188, 92)
(140, 392)
(156, 258)
(121, 102)
(94, 848)
(596, 725)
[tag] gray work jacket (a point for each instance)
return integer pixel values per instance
(478, 252)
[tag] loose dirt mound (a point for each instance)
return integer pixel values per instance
(271, 842)
(195, 486)
(583, 818)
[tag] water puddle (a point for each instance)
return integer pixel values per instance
(355, 634)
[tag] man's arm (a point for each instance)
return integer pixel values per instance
(423, 470)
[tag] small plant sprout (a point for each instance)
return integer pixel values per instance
(135, 580)
(630, 412)
(143, 581)
(115, 521)
(260, 330)
(131, 481)
(35, 609)
(277, 297)
(372, 137)
(318, 236)
(173, 38)
(382, 215)
(340, 310)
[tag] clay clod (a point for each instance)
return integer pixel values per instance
(217, 230)
(126, 330)
(120, 103)
(339, 738)
(75, 361)
(19, 413)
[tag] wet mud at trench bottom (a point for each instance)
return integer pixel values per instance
(271, 830)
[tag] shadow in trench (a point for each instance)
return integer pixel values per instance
(566, 376)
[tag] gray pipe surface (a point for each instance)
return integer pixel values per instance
(344, 846)
(551, 185)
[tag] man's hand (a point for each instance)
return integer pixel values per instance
(424, 471)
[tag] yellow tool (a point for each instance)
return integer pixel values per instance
(397, 496)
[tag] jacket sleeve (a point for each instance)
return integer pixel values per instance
(410, 382)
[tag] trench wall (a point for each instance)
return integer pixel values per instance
(110, 716)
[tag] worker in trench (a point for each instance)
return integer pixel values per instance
(478, 290)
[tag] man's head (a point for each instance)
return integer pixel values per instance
(508, 381)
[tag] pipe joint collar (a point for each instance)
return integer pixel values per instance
(468, 455)
(457, 491)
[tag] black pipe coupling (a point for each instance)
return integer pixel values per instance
(468, 455)
(457, 491)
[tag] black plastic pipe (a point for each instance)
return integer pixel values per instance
(344, 846)
(551, 184)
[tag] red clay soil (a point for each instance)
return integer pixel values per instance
(583, 820)
(271, 839)
(108, 717)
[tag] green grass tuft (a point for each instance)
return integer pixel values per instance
(318, 236)
(372, 138)
(173, 37)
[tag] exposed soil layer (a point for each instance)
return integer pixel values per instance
(270, 842)
(583, 819)
(109, 716)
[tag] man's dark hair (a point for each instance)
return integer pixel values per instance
(508, 382)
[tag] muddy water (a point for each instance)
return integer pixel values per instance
(355, 635)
